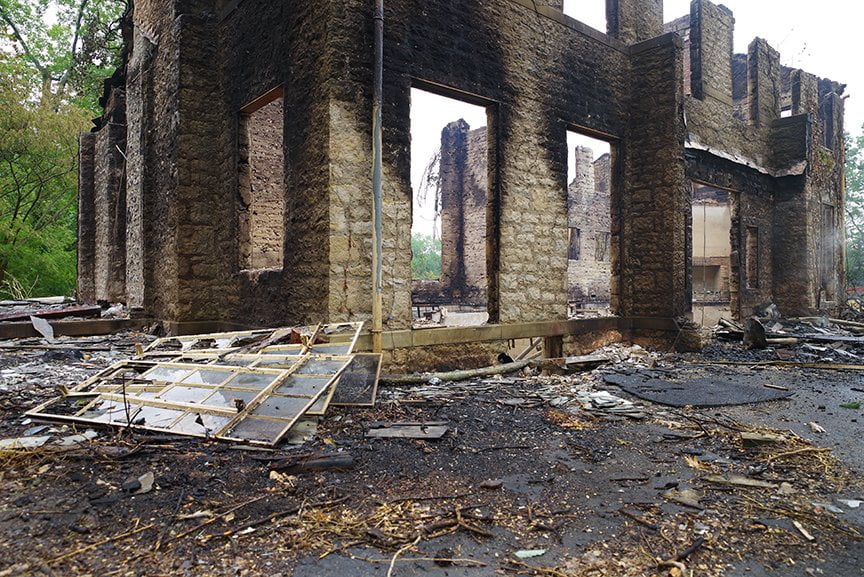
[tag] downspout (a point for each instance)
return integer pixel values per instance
(378, 64)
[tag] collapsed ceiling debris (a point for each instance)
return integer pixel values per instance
(246, 386)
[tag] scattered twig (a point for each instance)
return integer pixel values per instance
(431, 498)
(689, 550)
(99, 544)
(451, 560)
(798, 452)
(216, 518)
(541, 570)
(503, 447)
(802, 530)
(641, 520)
(266, 519)
(824, 522)
(399, 552)
(158, 544)
(462, 523)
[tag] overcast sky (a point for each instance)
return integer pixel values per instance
(820, 37)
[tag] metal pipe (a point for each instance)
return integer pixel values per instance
(377, 89)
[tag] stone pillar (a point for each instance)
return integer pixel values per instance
(137, 79)
(463, 178)
(86, 219)
(454, 158)
(711, 32)
(204, 212)
(651, 206)
(763, 82)
(634, 21)
(109, 193)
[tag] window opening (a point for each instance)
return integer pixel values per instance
(711, 253)
(590, 12)
(261, 197)
(449, 179)
(589, 270)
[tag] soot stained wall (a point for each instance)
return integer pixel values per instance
(194, 66)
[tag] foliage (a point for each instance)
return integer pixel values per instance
(68, 46)
(38, 149)
(53, 57)
(855, 209)
(425, 257)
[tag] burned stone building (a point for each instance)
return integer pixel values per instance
(230, 181)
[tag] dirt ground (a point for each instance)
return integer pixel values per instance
(526, 481)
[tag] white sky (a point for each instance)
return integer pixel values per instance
(820, 37)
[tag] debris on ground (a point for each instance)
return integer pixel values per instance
(550, 470)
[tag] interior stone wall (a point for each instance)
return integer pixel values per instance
(588, 211)
(261, 183)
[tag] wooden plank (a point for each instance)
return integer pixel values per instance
(399, 431)
(72, 311)
(408, 338)
(83, 328)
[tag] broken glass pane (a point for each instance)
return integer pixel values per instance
(358, 383)
(315, 366)
(201, 424)
(280, 362)
(252, 429)
(289, 350)
(251, 380)
(331, 348)
(319, 407)
(306, 386)
(282, 407)
(229, 398)
(185, 394)
(167, 374)
(205, 377)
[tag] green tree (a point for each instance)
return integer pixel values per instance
(68, 46)
(425, 257)
(38, 175)
(53, 57)
(855, 209)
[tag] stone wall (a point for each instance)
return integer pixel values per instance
(589, 216)
(102, 208)
(261, 184)
(194, 67)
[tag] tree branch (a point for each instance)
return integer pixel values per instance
(73, 58)
(27, 52)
